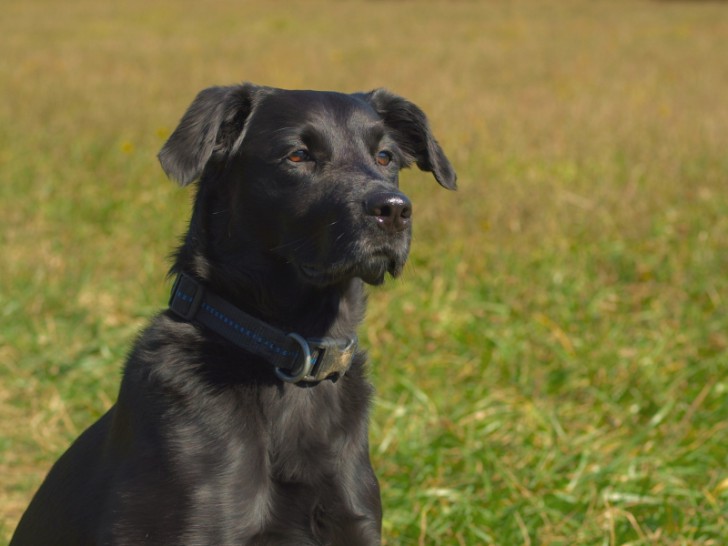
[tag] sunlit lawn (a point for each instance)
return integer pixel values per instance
(552, 366)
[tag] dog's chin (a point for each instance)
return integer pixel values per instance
(372, 271)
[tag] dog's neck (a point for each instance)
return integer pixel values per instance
(273, 293)
(256, 281)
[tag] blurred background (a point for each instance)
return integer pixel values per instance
(552, 366)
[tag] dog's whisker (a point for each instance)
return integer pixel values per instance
(301, 242)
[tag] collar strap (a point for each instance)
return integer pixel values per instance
(294, 358)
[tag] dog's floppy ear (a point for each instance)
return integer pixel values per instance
(210, 127)
(412, 132)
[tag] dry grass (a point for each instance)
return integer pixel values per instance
(552, 367)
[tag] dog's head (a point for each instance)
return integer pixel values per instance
(308, 178)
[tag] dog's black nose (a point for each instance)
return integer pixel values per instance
(392, 210)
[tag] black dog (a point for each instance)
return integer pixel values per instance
(242, 413)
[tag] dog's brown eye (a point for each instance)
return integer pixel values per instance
(384, 158)
(299, 156)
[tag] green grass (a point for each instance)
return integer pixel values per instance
(552, 368)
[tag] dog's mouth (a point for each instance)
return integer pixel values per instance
(372, 270)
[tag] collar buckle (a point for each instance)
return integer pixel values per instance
(319, 359)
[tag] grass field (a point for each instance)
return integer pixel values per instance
(552, 368)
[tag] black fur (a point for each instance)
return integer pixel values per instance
(205, 445)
